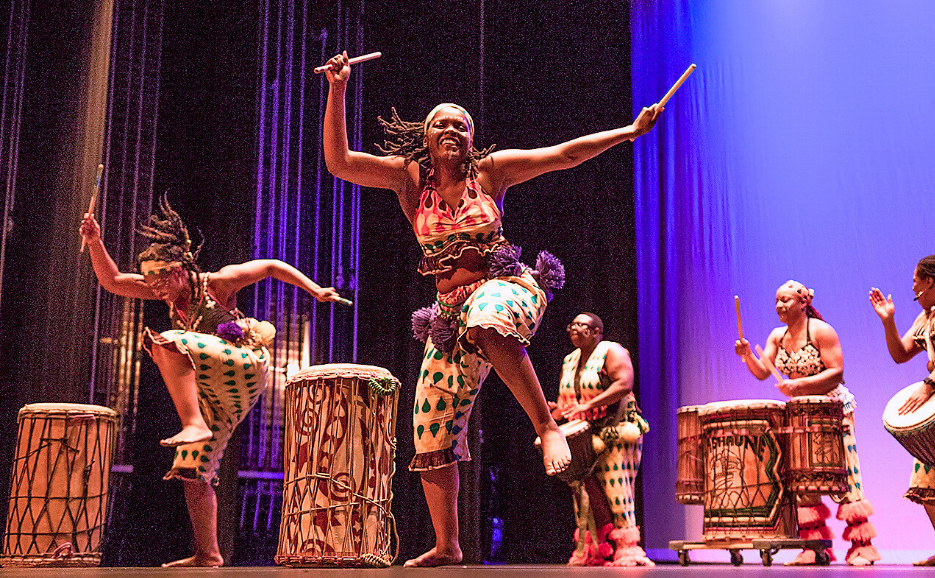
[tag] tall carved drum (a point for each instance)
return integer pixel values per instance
(916, 430)
(744, 495)
(815, 458)
(340, 448)
(689, 467)
(59, 485)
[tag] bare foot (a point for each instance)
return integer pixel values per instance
(555, 453)
(188, 435)
(196, 561)
(930, 561)
(435, 558)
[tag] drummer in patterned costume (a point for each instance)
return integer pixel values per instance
(597, 385)
(916, 340)
(808, 351)
(214, 361)
(489, 304)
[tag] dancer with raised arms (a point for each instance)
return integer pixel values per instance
(489, 304)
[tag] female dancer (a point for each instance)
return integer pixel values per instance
(214, 362)
(489, 304)
(808, 351)
(902, 349)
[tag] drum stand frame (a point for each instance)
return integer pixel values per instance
(767, 547)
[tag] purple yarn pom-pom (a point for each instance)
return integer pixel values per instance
(551, 272)
(421, 322)
(230, 331)
(504, 262)
(444, 333)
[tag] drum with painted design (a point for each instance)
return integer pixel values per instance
(340, 448)
(916, 430)
(815, 460)
(689, 466)
(59, 485)
(580, 443)
(744, 496)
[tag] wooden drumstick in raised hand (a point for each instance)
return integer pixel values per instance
(739, 324)
(97, 187)
(768, 364)
(355, 60)
(677, 84)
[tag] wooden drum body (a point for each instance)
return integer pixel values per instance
(339, 450)
(815, 458)
(59, 485)
(744, 495)
(689, 483)
(578, 434)
(916, 430)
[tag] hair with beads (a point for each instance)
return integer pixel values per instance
(805, 295)
(170, 242)
(926, 267)
(407, 139)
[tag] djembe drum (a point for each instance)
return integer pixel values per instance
(916, 430)
(744, 496)
(340, 448)
(689, 466)
(814, 448)
(59, 485)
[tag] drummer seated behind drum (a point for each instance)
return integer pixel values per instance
(597, 379)
(807, 350)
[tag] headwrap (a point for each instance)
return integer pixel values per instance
(805, 294)
(467, 117)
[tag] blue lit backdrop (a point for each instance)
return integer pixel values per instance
(800, 148)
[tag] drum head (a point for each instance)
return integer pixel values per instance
(740, 404)
(341, 370)
(895, 422)
(66, 408)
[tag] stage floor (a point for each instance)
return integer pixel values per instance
(510, 571)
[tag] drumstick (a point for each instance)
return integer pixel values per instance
(768, 364)
(677, 84)
(739, 324)
(97, 187)
(355, 60)
(344, 301)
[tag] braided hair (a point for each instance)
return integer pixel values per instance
(170, 242)
(407, 139)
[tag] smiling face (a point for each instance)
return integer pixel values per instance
(448, 136)
(167, 280)
(789, 304)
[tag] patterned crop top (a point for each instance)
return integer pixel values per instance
(804, 362)
(445, 233)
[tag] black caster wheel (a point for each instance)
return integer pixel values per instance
(767, 557)
(822, 558)
(736, 558)
(683, 558)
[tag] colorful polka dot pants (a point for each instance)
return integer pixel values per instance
(230, 380)
(449, 382)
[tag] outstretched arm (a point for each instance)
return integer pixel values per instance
(232, 278)
(503, 169)
(357, 167)
(619, 370)
(108, 275)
